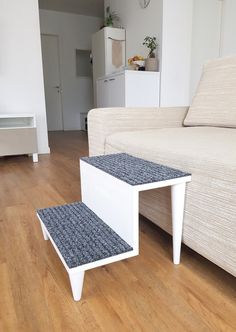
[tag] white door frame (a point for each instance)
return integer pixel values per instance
(59, 69)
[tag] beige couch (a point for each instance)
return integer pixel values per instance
(201, 140)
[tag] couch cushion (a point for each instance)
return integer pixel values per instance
(194, 149)
(215, 101)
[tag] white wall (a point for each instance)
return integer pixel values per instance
(191, 32)
(138, 23)
(214, 34)
(74, 32)
(228, 34)
(206, 34)
(171, 21)
(176, 52)
(21, 75)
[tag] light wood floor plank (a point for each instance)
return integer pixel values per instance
(145, 293)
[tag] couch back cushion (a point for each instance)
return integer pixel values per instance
(215, 101)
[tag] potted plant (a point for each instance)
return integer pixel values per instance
(111, 17)
(151, 63)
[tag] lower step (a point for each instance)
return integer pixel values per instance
(80, 235)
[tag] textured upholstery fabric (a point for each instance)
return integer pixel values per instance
(106, 121)
(215, 101)
(206, 152)
(185, 148)
(210, 214)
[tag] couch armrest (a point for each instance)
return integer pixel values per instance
(103, 122)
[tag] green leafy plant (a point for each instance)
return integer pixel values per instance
(152, 44)
(110, 17)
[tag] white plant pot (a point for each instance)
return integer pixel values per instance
(151, 64)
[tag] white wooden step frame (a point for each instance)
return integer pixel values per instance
(117, 204)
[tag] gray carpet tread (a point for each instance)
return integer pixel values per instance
(80, 235)
(133, 170)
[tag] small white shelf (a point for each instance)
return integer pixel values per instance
(17, 121)
(18, 135)
(16, 127)
(13, 115)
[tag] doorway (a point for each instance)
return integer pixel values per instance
(52, 81)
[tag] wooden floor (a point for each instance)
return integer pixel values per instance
(145, 293)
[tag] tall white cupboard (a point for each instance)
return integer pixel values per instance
(108, 53)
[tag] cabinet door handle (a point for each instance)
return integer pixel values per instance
(112, 79)
(119, 40)
(105, 81)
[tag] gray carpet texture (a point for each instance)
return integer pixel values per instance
(132, 170)
(80, 235)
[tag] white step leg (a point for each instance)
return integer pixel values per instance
(76, 281)
(177, 204)
(35, 157)
(45, 236)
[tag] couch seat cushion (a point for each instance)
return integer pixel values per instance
(194, 149)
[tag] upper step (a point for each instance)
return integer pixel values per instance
(132, 170)
(80, 235)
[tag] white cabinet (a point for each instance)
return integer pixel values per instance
(18, 135)
(108, 51)
(111, 91)
(102, 92)
(129, 89)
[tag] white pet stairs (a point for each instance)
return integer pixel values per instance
(110, 188)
